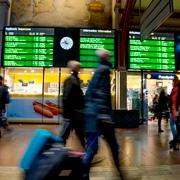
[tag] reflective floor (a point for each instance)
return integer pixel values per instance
(144, 153)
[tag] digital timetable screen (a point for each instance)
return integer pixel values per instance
(155, 53)
(54, 47)
(92, 39)
(28, 47)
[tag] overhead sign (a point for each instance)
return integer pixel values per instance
(1, 45)
(156, 13)
(28, 47)
(54, 47)
(92, 39)
(155, 53)
(160, 76)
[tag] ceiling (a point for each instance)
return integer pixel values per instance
(171, 24)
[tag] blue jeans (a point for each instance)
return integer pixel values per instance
(173, 126)
(108, 132)
(91, 149)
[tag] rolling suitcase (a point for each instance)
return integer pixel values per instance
(56, 162)
(46, 158)
(37, 144)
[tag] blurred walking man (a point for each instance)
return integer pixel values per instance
(98, 113)
(73, 104)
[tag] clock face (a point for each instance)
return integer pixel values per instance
(66, 43)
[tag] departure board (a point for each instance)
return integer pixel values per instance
(28, 47)
(1, 34)
(54, 47)
(154, 53)
(92, 39)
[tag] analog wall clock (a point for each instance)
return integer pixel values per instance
(66, 43)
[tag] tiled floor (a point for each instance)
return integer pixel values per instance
(144, 153)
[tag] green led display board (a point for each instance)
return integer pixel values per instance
(90, 40)
(155, 53)
(28, 47)
(54, 47)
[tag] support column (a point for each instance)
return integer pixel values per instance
(4, 13)
(122, 18)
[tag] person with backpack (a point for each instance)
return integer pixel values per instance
(4, 99)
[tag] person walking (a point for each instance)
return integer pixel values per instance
(98, 114)
(162, 106)
(174, 105)
(73, 104)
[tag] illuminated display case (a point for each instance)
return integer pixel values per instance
(155, 53)
(32, 88)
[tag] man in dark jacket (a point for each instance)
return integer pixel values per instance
(4, 99)
(98, 113)
(73, 103)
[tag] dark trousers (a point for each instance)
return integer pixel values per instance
(3, 119)
(107, 130)
(177, 137)
(67, 127)
(159, 121)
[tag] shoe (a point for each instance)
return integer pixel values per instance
(85, 177)
(171, 141)
(8, 129)
(96, 160)
(175, 148)
(160, 131)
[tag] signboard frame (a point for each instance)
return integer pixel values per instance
(160, 52)
(60, 57)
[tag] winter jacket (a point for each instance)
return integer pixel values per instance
(98, 105)
(4, 97)
(73, 100)
(174, 101)
(162, 102)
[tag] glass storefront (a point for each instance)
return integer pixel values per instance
(36, 92)
(142, 87)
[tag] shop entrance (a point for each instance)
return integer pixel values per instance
(154, 83)
(142, 87)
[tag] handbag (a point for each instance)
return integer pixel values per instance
(178, 112)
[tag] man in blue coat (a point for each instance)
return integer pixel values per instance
(98, 113)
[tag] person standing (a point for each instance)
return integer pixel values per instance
(162, 106)
(73, 104)
(4, 99)
(174, 104)
(98, 113)
(155, 106)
